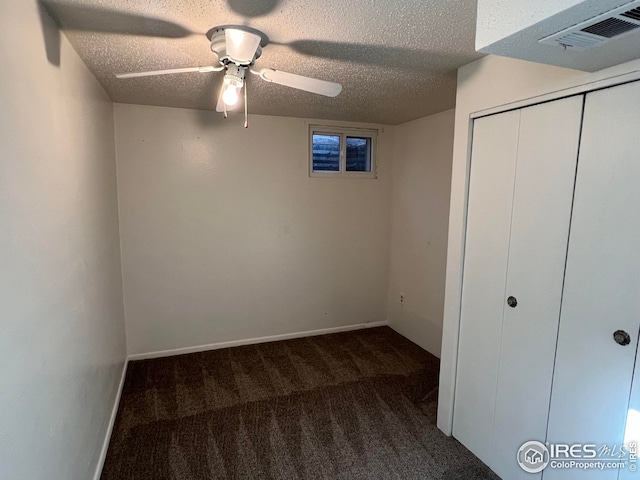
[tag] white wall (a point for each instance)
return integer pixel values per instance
(62, 345)
(225, 237)
(419, 220)
(487, 83)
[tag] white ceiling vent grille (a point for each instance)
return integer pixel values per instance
(598, 30)
(633, 13)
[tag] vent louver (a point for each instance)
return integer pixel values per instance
(598, 30)
(611, 27)
(633, 13)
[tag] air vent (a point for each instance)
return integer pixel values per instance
(578, 40)
(634, 13)
(611, 27)
(598, 30)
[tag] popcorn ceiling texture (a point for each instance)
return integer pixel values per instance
(396, 61)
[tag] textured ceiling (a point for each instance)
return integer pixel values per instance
(396, 60)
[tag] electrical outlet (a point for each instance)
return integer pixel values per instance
(402, 298)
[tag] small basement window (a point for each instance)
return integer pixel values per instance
(341, 151)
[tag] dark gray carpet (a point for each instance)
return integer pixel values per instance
(354, 405)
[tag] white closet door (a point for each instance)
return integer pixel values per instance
(494, 149)
(593, 374)
(547, 157)
(521, 186)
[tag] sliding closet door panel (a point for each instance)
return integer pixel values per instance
(593, 373)
(545, 174)
(494, 149)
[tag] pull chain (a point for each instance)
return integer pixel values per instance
(246, 114)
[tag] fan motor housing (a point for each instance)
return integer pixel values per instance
(219, 45)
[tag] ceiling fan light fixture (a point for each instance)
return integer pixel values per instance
(230, 94)
(237, 47)
(232, 84)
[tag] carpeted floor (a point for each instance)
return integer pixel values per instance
(354, 405)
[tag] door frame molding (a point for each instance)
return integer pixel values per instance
(588, 87)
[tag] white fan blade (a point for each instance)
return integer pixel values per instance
(241, 45)
(230, 108)
(168, 72)
(313, 85)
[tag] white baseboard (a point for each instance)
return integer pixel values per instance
(250, 341)
(112, 421)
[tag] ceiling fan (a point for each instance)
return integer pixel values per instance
(237, 48)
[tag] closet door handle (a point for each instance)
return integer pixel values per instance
(512, 302)
(621, 337)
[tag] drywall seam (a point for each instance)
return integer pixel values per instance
(115, 159)
(250, 341)
(124, 298)
(112, 421)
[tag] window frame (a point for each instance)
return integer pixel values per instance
(343, 133)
